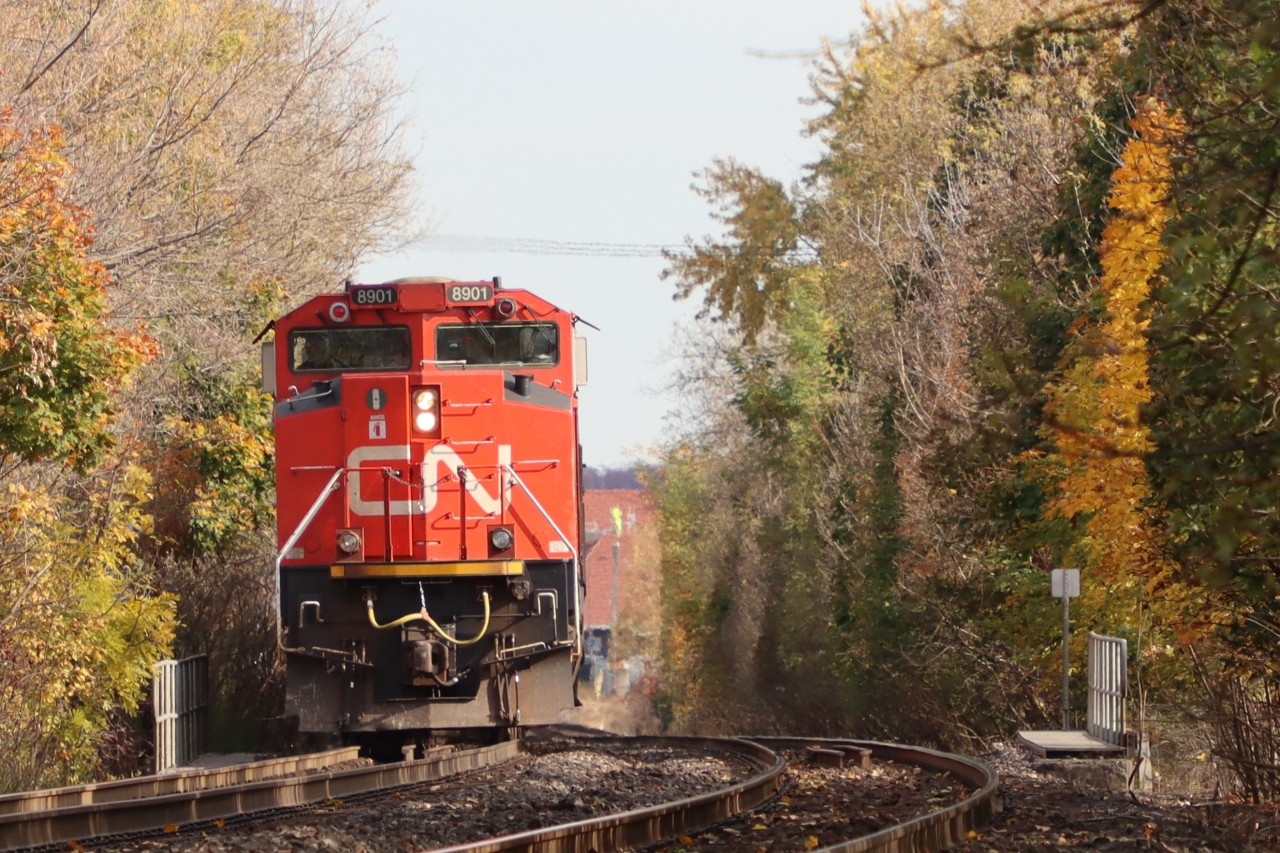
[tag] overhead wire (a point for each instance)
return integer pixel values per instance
(573, 248)
(535, 246)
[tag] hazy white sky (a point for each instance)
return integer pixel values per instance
(559, 139)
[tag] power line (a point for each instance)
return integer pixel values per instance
(479, 244)
(537, 246)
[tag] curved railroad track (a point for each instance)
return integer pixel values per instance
(935, 830)
(642, 826)
(94, 812)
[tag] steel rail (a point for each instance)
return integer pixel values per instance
(655, 823)
(75, 820)
(172, 782)
(936, 830)
(931, 832)
(101, 819)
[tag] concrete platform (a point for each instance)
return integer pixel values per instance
(220, 760)
(1058, 744)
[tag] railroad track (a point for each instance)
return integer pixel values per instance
(93, 812)
(195, 796)
(936, 830)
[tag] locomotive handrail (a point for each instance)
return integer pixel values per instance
(329, 488)
(577, 589)
(517, 462)
(453, 405)
(501, 466)
(302, 396)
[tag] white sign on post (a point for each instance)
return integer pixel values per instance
(1065, 583)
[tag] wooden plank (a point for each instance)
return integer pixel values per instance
(1048, 744)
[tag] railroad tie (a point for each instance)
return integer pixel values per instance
(824, 757)
(859, 756)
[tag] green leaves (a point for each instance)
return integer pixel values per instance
(1217, 358)
(215, 472)
(747, 277)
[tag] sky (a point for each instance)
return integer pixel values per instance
(557, 142)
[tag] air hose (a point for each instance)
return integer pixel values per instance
(426, 617)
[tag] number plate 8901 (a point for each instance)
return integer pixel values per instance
(373, 297)
(458, 293)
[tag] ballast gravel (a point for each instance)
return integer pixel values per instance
(555, 782)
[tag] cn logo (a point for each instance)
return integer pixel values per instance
(440, 462)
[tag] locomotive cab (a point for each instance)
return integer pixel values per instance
(429, 507)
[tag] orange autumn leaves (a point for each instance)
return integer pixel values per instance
(60, 358)
(1094, 412)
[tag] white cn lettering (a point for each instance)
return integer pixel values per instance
(441, 464)
(392, 455)
(444, 456)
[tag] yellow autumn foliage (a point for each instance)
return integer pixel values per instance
(1094, 413)
(79, 626)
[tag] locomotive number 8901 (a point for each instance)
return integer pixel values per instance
(427, 578)
(365, 296)
(469, 294)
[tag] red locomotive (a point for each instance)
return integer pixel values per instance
(429, 507)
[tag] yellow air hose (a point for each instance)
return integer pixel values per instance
(426, 617)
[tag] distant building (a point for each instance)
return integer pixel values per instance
(620, 528)
(623, 578)
(611, 478)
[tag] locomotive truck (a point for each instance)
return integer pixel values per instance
(429, 505)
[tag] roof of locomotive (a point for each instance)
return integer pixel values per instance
(424, 284)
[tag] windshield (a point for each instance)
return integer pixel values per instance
(507, 344)
(350, 348)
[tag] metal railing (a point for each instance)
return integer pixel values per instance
(573, 552)
(1108, 686)
(329, 488)
(180, 698)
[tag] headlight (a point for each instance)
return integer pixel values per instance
(501, 539)
(426, 411)
(349, 542)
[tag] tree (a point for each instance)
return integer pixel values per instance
(886, 364)
(236, 155)
(61, 361)
(1094, 417)
(1216, 362)
(1217, 359)
(80, 623)
(747, 279)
